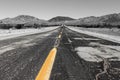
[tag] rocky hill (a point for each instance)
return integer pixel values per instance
(60, 19)
(22, 19)
(113, 19)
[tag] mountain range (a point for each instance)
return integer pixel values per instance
(26, 19)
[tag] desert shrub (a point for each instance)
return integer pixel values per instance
(6, 26)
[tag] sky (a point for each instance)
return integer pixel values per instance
(46, 9)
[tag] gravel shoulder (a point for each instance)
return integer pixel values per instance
(100, 34)
(7, 34)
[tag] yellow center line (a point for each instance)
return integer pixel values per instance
(59, 36)
(45, 71)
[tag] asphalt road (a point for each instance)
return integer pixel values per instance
(21, 58)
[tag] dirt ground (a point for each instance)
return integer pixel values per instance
(109, 31)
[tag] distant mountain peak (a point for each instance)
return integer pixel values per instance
(60, 19)
(113, 19)
(22, 19)
(26, 16)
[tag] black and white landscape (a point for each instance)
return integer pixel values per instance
(65, 47)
